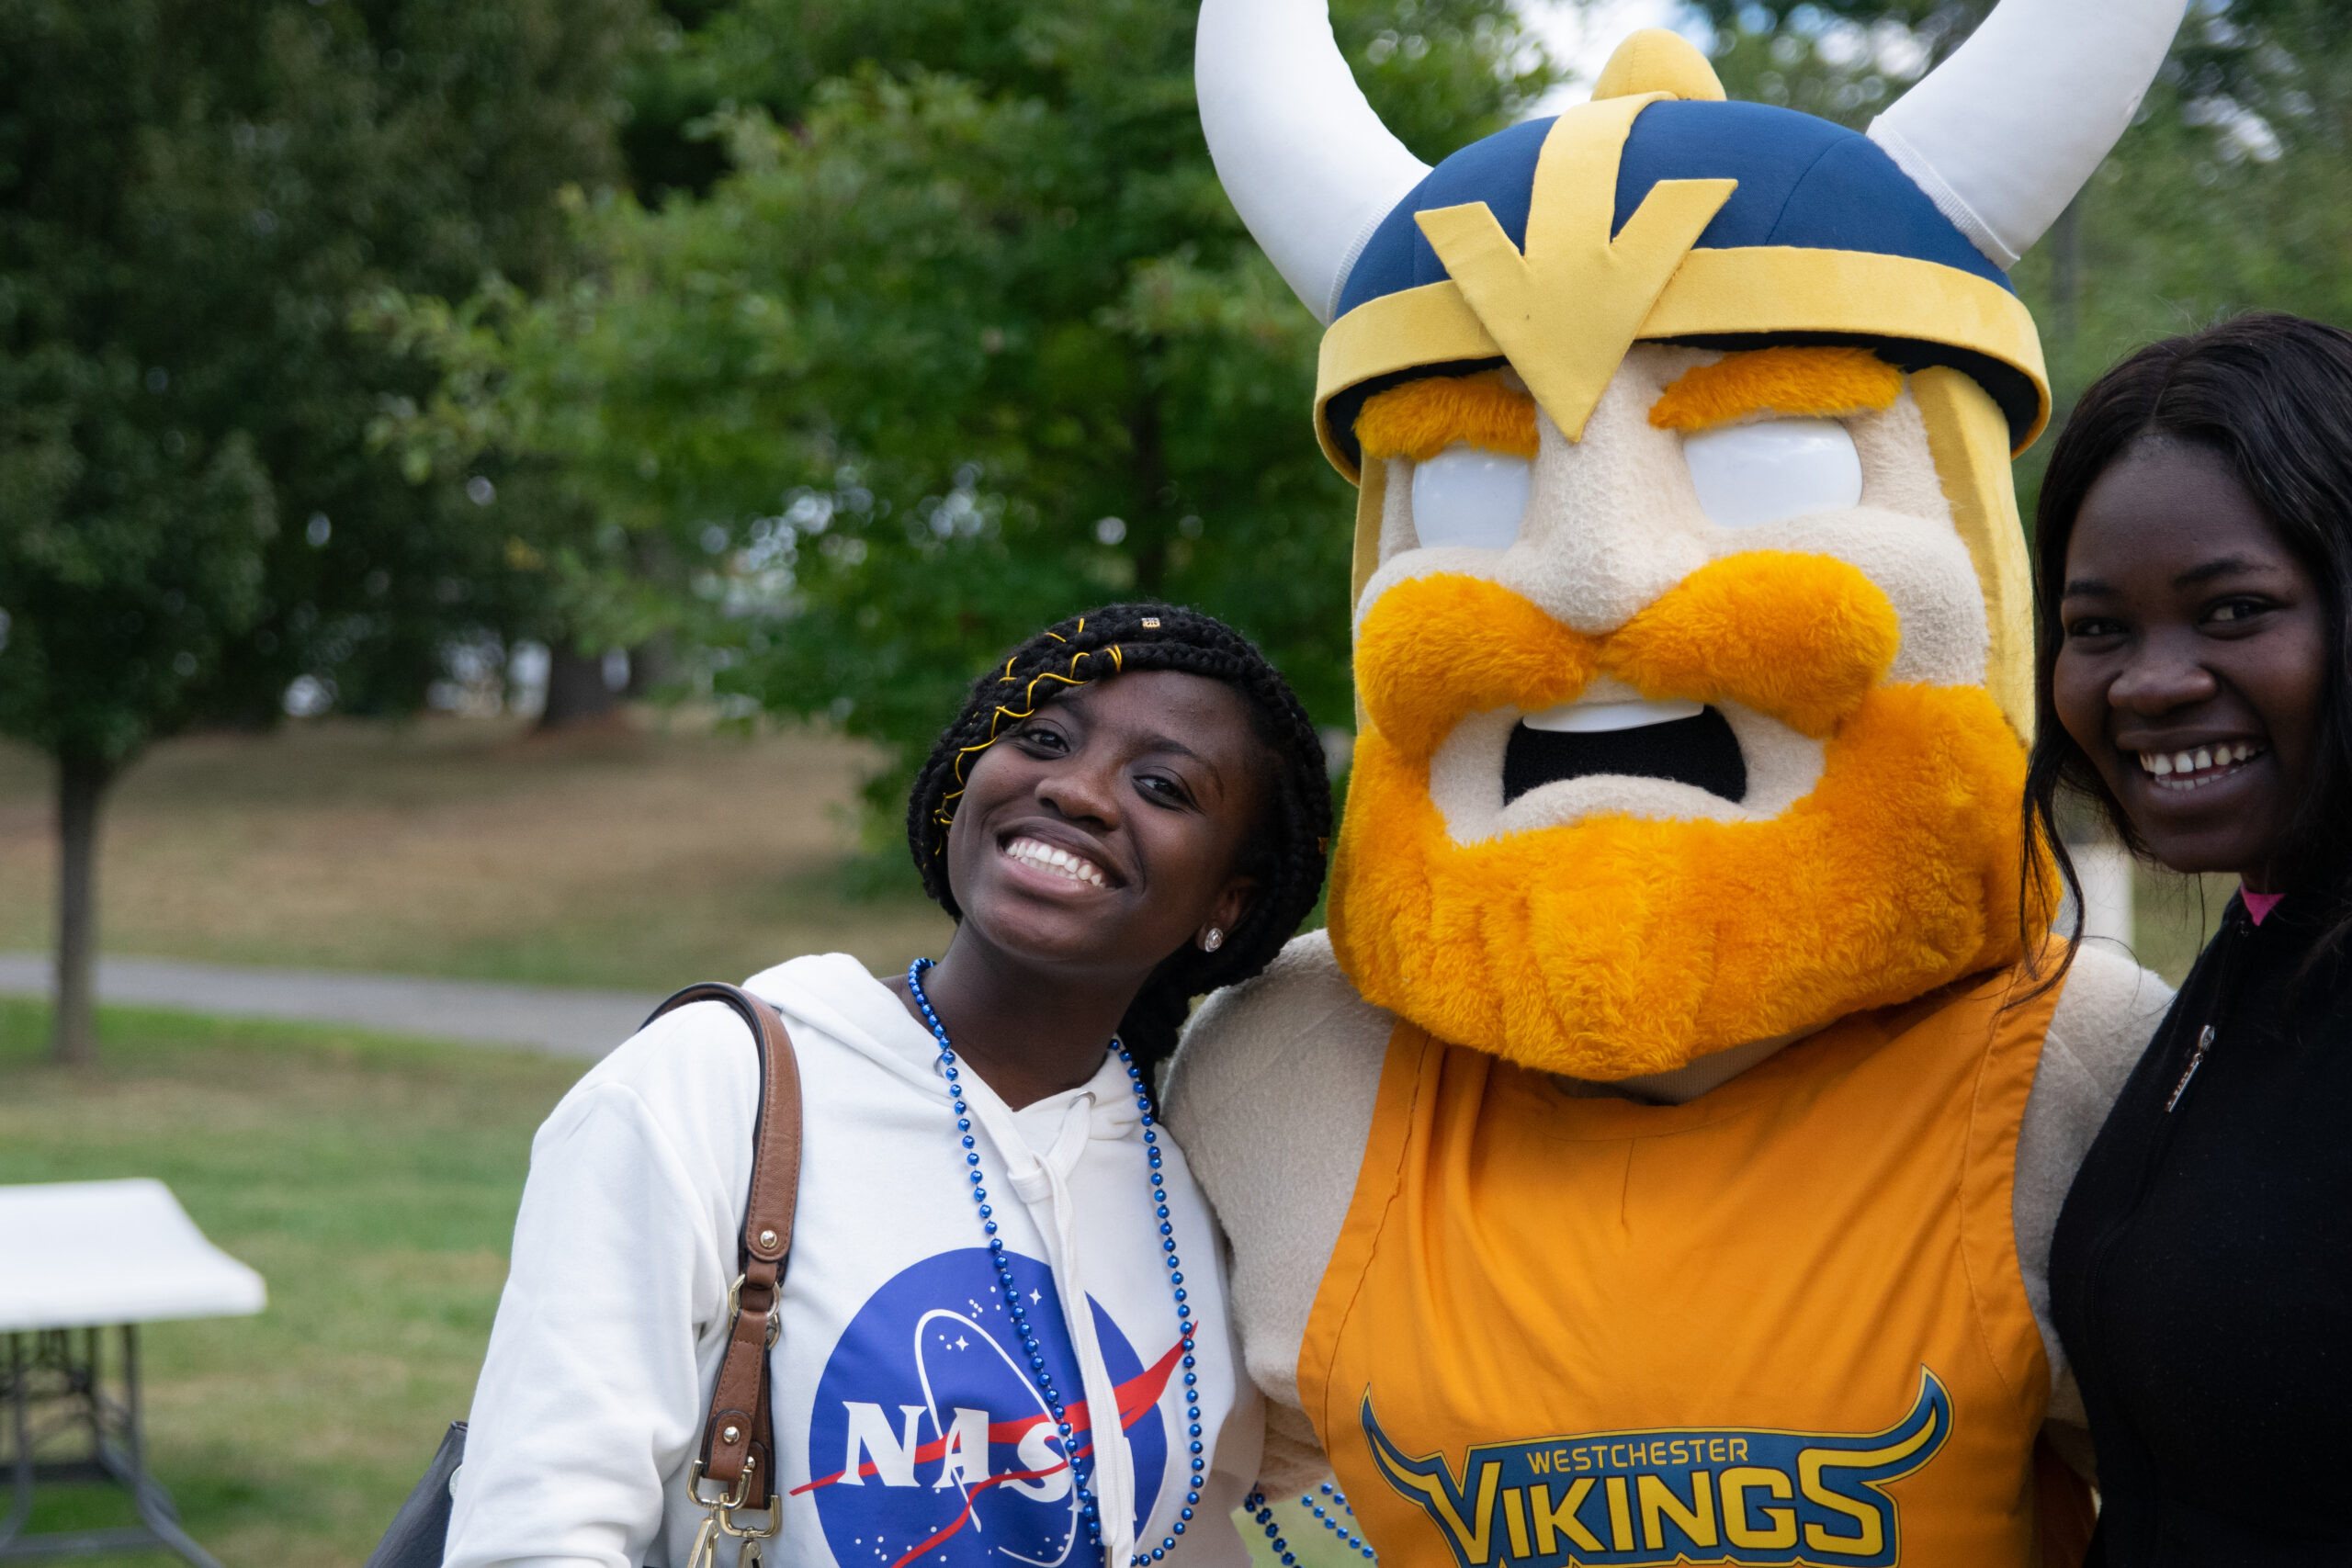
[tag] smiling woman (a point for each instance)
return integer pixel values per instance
(2196, 539)
(1130, 811)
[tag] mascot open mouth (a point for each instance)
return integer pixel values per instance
(1696, 748)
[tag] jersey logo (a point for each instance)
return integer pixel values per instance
(931, 1445)
(1683, 1494)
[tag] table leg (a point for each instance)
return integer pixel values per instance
(125, 1460)
(155, 1508)
(21, 1457)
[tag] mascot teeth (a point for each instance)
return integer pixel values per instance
(1592, 719)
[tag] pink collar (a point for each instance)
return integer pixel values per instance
(2260, 905)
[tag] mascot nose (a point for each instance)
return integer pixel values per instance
(1611, 521)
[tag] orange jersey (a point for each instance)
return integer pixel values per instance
(1781, 1324)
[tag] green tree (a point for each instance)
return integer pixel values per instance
(191, 197)
(958, 334)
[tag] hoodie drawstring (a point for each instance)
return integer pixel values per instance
(1044, 1183)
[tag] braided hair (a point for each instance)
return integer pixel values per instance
(1286, 853)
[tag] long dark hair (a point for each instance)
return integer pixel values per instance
(2271, 396)
(1287, 853)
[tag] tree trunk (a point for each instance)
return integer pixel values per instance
(81, 787)
(1149, 527)
(651, 663)
(576, 689)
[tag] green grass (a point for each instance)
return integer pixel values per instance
(372, 1181)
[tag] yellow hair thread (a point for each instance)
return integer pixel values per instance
(945, 815)
(1785, 382)
(1420, 419)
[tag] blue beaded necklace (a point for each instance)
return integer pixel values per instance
(1257, 1508)
(1086, 1507)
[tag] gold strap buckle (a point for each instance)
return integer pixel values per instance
(728, 1501)
(744, 1533)
(735, 1308)
(724, 1507)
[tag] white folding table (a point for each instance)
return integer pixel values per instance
(77, 1259)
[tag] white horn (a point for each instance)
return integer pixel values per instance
(2004, 133)
(1307, 165)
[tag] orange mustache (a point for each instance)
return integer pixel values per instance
(1800, 637)
(1618, 945)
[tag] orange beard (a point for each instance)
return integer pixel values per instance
(1616, 946)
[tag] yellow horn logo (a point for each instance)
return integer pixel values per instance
(1567, 309)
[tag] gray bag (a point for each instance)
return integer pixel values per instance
(421, 1529)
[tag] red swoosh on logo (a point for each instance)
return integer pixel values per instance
(1136, 1396)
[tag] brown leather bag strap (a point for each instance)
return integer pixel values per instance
(737, 1445)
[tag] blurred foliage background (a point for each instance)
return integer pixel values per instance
(924, 324)
(193, 194)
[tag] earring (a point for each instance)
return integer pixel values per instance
(1215, 940)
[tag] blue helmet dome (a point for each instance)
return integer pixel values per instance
(1803, 182)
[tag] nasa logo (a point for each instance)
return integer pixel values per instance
(1744, 1496)
(930, 1441)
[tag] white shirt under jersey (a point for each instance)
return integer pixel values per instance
(910, 1430)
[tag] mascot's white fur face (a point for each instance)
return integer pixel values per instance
(1679, 733)
(1615, 521)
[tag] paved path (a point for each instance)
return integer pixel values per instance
(560, 1020)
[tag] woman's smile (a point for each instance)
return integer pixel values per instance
(2196, 766)
(1056, 868)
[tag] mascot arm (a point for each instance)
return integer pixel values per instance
(2105, 1017)
(1270, 1096)
(1292, 1461)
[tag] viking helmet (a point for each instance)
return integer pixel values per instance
(1901, 238)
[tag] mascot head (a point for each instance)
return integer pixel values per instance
(1692, 632)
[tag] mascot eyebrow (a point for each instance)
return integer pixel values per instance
(1420, 419)
(1789, 382)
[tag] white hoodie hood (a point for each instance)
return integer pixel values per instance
(911, 1431)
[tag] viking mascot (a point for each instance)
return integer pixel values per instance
(1655, 1160)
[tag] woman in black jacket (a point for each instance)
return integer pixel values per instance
(2196, 564)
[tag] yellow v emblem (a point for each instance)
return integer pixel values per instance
(1567, 309)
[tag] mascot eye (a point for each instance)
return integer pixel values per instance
(1468, 496)
(1748, 474)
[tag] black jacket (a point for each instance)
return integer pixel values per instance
(2201, 1274)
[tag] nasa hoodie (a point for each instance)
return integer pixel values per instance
(910, 1431)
